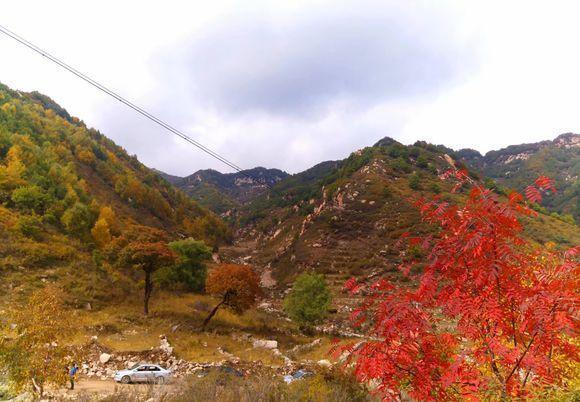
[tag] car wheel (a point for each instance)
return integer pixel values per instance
(160, 380)
(126, 379)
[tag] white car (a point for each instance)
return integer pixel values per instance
(151, 373)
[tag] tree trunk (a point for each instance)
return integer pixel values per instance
(38, 388)
(212, 313)
(148, 291)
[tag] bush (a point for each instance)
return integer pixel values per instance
(387, 192)
(422, 162)
(435, 188)
(401, 165)
(29, 225)
(414, 182)
(309, 299)
(225, 386)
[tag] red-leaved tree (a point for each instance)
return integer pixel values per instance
(491, 315)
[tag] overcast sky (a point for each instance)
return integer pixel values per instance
(288, 85)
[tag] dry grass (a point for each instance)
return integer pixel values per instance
(330, 386)
(124, 328)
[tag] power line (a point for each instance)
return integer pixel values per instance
(126, 102)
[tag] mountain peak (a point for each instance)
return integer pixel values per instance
(567, 140)
(385, 142)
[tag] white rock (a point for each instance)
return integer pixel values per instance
(324, 363)
(266, 344)
(104, 358)
(165, 346)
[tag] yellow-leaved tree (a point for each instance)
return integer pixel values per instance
(38, 352)
(101, 233)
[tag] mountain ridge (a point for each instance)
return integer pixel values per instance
(516, 166)
(208, 188)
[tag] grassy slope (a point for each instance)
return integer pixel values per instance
(123, 328)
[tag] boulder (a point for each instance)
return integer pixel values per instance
(104, 358)
(324, 363)
(164, 345)
(266, 344)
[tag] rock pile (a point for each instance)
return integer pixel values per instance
(102, 363)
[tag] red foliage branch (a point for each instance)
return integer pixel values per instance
(490, 313)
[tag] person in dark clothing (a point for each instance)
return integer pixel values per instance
(72, 375)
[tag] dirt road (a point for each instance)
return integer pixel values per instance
(86, 387)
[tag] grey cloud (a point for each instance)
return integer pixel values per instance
(289, 91)
(304, 64)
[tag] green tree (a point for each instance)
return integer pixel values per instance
(31, 198)
(308, 301)
(77, 219)
(190, 271)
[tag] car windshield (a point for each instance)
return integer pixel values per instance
(133, 367)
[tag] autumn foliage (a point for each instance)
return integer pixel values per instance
(149, 256)
(491, 315)
(38, 352)
(237, 286)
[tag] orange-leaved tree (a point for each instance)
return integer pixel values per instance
(491, 315)
(148, 256)
(36, 355)
(237, 286)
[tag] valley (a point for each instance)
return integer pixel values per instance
(73, 204)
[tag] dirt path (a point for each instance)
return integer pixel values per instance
(108, 387)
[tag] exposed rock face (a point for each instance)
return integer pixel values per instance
(205, 185)
(568, 140)
(517, 166)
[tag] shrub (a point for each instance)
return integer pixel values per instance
(414, 182)
(435, 188)
(422, 162)
(387, 192)
(308, 301)
(401, 165)
(29, 225)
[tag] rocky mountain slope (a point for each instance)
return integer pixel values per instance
(516, 165)
(224, 191)
(343, 218)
